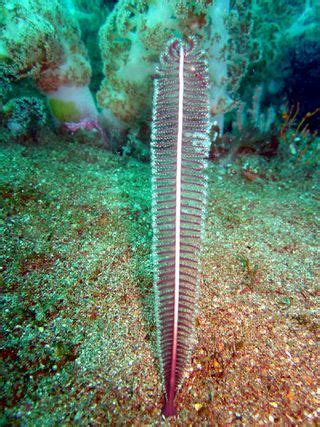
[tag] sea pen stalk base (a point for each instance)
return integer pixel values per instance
(169, 409)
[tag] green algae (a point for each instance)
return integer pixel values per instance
(65, 111)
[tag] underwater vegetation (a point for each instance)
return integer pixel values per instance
(104, 256)
(247, 43)
(24, 115)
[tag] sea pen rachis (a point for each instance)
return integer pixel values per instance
(180, 145)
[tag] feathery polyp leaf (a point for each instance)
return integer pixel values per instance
(179, 146)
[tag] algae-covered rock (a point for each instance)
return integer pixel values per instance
(41, 40)
(131, 40)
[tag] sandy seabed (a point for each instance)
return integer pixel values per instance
(78, 335)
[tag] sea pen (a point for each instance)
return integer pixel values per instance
(179, 147)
